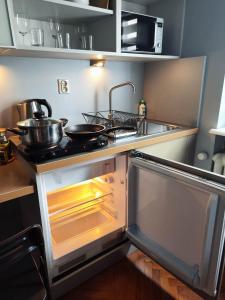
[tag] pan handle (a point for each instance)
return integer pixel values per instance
(17, 131)
(63, 121)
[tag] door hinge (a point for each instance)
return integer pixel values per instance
(196, 277)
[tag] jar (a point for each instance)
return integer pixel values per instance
(6, 153)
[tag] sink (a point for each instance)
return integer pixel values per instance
(157, 128)
(123, 119)
(151, 129)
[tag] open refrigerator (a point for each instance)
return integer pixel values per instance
(172, 212)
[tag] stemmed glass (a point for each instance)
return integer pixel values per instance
(56, 30)
(22, 22)
(81, 34)
(53, 30)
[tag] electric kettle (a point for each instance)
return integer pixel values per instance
(27, 108)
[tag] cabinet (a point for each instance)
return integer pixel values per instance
(104, 25)
(173, 13)
(5, 32)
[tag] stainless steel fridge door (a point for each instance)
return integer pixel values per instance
(177, 218)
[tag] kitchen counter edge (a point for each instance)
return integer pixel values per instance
(15, 181)
(108, 151)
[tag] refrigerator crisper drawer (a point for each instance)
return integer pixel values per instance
(73, 226)
(78, 229)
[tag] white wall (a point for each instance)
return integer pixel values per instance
(24, 78)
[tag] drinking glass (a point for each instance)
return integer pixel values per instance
(87, 41)
(83, 41)
(58, 26)
(59, 37)
(77, 36)
(68, 42)
(22, 22)
(56, 30)
(90, 41)
(37, 37)
(82, 33)
(53, 30)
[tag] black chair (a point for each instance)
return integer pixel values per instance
(23, 272)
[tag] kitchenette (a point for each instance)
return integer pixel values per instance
(102, 116)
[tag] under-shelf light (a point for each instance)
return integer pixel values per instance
(100, 63)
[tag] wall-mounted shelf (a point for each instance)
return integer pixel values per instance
(144, 57)
(44, 52)
(103, 24)
(65, 11)
(218, 131)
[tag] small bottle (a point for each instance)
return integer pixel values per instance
(6, 153)
(142, 108)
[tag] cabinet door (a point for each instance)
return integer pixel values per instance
(5, 29)
(177, 218)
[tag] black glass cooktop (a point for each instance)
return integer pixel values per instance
(65, 148)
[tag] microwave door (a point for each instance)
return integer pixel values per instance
(177, 218)
(146, 33)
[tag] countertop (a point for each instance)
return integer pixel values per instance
(113, 148)
(15, 181)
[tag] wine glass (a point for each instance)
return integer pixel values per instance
(22, 22)
(58, 26)
(56, 29)
(80, 33)
(53, 30)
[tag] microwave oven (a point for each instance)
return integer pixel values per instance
(141, 33)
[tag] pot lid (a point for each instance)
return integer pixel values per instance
(39, 120)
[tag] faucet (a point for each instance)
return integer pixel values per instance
(116, 87)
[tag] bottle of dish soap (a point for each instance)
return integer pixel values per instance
(142, 108)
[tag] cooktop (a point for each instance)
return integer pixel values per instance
(66, 147)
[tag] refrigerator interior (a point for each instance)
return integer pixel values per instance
(85, 212)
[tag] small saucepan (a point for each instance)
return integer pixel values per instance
(84, 131)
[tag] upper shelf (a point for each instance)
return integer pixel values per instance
(44, 52)
(66, 11)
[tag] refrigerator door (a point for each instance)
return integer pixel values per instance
(176, 217)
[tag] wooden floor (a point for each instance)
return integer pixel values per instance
(162, 278)
(133, 278)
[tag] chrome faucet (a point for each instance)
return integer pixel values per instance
(116, 87)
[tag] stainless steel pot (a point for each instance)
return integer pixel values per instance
(40, 132)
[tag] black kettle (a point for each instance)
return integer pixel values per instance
(29, 107)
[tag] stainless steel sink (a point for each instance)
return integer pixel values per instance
(158, 128)
(124, 119)
(149, 129)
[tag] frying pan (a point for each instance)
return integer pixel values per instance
(84, 131)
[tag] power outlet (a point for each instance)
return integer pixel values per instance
(63, 86)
